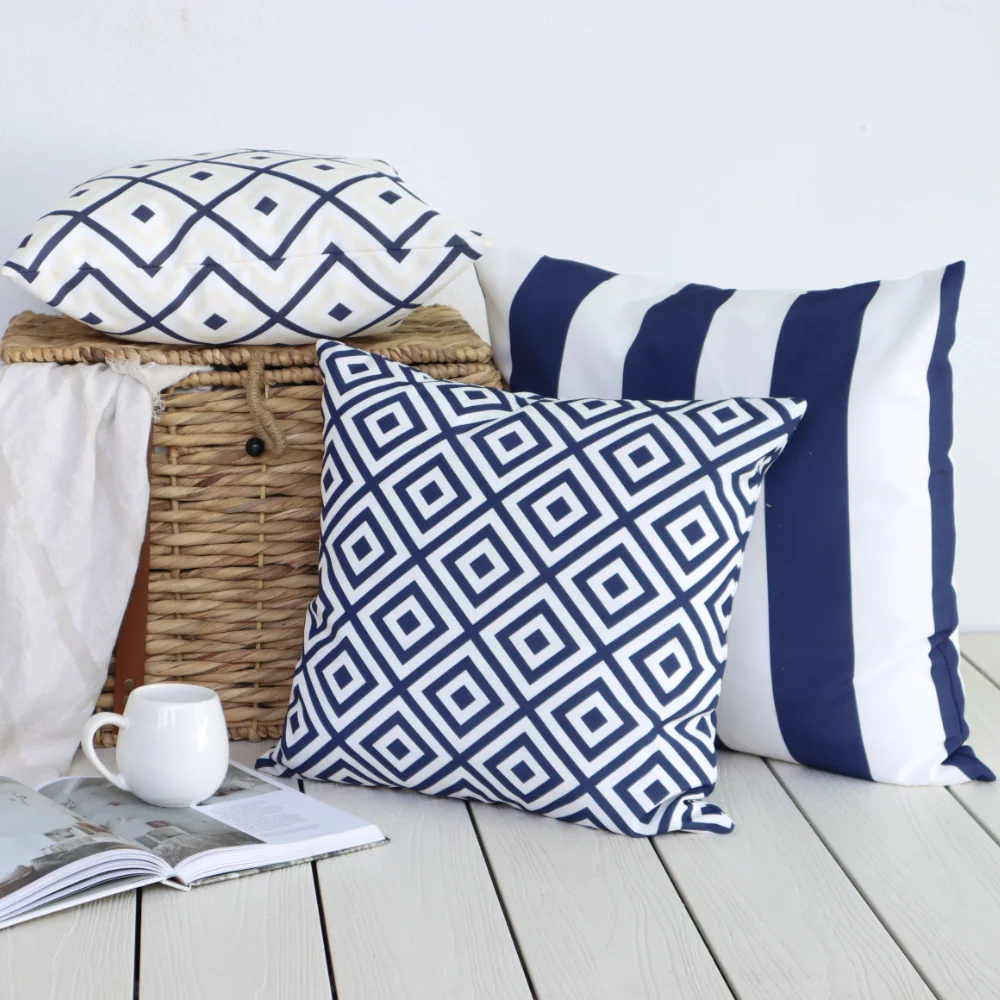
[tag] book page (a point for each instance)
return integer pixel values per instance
(273, 812)
(171, 834)
(249, 810)
(39, 837)
(108, 888)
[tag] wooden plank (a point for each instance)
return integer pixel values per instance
(87, 953)
(417, 918)
(929, 871)
(258, 936)
(982, 712)
(595, 914)
(781, 917)
(983, 650)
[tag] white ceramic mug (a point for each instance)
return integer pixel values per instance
(173, 747)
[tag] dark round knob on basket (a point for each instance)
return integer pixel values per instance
(255, 447)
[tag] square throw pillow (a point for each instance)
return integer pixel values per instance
(525, 600)
(248, 246)
(843, 646)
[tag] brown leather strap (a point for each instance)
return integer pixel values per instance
(130, 649)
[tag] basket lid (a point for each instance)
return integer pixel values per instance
(429, 335)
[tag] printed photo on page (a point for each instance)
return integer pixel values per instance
(170, 834)
(73, 840)
(37, 838)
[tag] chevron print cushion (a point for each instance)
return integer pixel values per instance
(525, 600)
(248, 246)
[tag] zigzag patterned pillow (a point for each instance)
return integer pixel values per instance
(245, 246)
(525, 600)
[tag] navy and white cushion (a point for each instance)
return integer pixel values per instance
(246, 246)
(525, 600)
(843, 646)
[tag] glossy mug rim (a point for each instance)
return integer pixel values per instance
(172, 694)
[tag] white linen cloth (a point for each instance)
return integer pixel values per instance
(74, 495)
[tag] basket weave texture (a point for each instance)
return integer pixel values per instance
(234, 539)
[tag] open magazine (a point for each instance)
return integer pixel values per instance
(76, 839)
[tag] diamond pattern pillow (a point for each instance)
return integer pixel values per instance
(525, 600)
(245, 246)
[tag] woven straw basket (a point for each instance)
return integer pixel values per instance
(230, 564)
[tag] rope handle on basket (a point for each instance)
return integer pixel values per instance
(264, 421)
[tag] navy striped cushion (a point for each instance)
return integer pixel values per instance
(843, 646)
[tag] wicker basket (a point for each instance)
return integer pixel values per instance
(230, 562)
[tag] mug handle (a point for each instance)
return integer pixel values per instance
(87, 744)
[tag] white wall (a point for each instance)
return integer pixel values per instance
(770, 142)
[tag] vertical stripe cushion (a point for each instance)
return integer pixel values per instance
(843, 649)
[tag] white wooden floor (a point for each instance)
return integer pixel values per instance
(829, 888)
